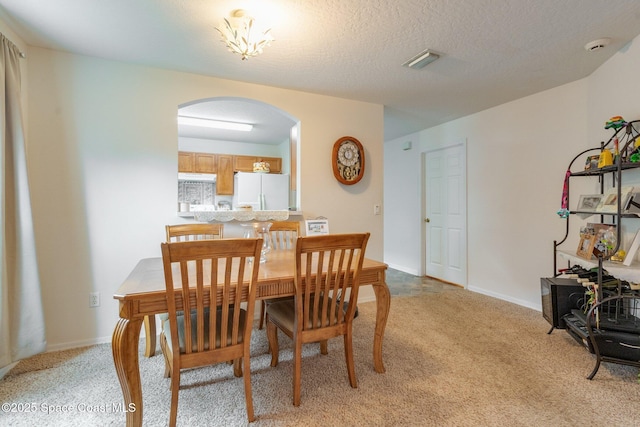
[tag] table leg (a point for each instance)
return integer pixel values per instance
(124, 344)
(150, 332)
(383, 303)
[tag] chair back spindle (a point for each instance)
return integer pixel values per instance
(284, 234)
(327, 274)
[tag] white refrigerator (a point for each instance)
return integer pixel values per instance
(263, 191)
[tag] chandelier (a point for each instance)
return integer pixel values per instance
(241, 37)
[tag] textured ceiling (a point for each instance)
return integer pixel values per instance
(492, 51)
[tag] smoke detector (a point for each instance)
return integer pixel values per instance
(597, 44)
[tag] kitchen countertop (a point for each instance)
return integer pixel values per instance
(239, 215)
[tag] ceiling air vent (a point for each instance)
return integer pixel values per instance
(421, 60)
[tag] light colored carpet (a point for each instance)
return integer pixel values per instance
(453, 358)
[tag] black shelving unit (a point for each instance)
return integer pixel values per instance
(610, 328)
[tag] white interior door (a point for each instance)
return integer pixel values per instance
(446, 214)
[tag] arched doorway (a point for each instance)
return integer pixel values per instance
(274, 134)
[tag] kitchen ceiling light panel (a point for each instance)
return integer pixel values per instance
(216, 124)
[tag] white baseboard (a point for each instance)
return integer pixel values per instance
(528, 304)
(77, 344)
(404, 269)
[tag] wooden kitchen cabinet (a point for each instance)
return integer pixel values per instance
(224, 165)
(224, 181)
(243, 163)
(197, 162)
(275, 163)
(205, 163)
(186, 161)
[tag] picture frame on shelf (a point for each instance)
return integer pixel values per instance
(589, 202)
(633, 249)
(316, 227)
(633, 204)
(600, 228)
(585, 247)
(592, 162)
(609, 203)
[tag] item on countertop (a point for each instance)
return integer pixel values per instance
(224, 205)
(245, 208)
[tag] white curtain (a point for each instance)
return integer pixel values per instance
(22, 331)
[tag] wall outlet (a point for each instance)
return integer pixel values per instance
(376, 209)
(94, 299)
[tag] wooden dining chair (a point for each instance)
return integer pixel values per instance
(202, 231)
(180, 233)
(327, 273)
(212, 278)
(283, 236)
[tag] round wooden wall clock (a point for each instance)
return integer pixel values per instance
(348, 160)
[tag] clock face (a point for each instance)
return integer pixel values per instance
(348, 160)
(348, 154)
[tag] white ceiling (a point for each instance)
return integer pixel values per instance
(492, 51)
(270, 124)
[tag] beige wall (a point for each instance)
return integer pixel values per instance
(103, 162)
(517, 156)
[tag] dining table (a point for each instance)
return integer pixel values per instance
(143, 295)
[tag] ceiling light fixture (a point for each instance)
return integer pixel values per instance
(215, 124)
(241, 37)
(421, 60)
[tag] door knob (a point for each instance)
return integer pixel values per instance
(427, 220)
